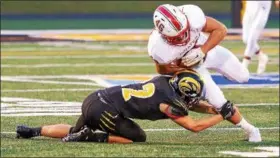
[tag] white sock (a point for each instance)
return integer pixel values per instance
(260, 54)
(245, 125)
(246, 62)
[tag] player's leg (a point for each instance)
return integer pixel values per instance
(225, 62)
(122, 130)
(262, 57)
(130, 130)
(247, 21)
(99, 116)
(56, 130)
(252, 46)
(114, 129)
(52, 131)
(215, 97)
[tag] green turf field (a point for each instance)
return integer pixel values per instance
(46, 72)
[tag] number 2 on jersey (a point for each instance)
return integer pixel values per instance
(148, 91)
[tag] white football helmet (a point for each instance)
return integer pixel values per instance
(172, 24)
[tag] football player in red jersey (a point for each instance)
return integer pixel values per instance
(179, 41)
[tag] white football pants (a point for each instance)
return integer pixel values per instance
(253, 22)
(226, 63)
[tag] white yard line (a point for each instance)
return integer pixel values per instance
(75, 65)
(48, 90)
(249, 86)
(88, 64)
(45, 110)
(62, 108)
(102, 75)
(86, 56)
(257, 104)
(182, 129)
(210, 129)
(104, 31)
(77, 47)
(41, 114)
(102, 82)
(46, 81)
(75, 57)
(105, 84)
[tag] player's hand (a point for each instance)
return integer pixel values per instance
(227, 110)
(193, 57)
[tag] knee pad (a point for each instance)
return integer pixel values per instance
(136, 134)
(227, 110)
(130, 130)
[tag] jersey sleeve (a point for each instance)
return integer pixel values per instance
(195, 16)
(158, 51)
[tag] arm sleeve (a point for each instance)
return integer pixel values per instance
(177, 106)
(195, 16)
(174, 113)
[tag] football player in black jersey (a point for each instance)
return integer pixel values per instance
(106, 114)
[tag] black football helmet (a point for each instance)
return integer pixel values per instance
(189, 85)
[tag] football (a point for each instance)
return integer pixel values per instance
(179, 63)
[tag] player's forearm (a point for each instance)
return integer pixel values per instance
(214, 39)
(205, 110)
(206, 123)
(204, 107)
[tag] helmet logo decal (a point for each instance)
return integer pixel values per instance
(159, 25)
(188, 86)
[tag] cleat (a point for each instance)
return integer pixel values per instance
(87, 135)
(254, 136)
(79, 136)
(24, 132)
(263, 59)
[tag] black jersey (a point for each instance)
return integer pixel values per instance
(142, 100)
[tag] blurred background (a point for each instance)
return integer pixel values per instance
(107, 14)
